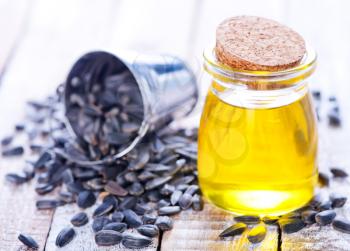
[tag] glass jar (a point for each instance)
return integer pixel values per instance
(257, 145)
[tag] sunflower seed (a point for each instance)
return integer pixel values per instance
(15, 178)
(149, 219)
(6, 140)
(116, 226)
(117, 216)
(338, 173)
(44, 188)
(185, 201)
(135, 241)
(167, 189)
(128, 203)
(103, 209)
(308, 216)
(114, 188)
(325, 217)
(131, 218)
(164, 223)
(111, 199)
(136, 189)
(140, 162)
(86, 199)
(99, 223)
(341, 225)
(43, 159)
(169, 210)
(182, 187)
(337, 200)
(108, 237)
(148, 230)
(197, 203)
(235, 229)
(65, 236)
(47, 204)
(67, 197)
(153, 196)
(163, 203)
(291, 225)
(175, 197)
(15, 151)
(326, 205)
(334, 118)
(323, 179)
(270, 220)
(157, 182)
(28, 241)
(146, 175)
(141, 209)
(192, 189)
(80, 219)
(257, 234)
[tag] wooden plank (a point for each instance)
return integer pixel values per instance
(13, 17)
(200, 231)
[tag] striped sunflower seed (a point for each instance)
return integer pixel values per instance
(86, 199)
(47, 204)
(197, 203)
(117, 216)
(338, 172)
(185, 201)
(131, 218)
(103, 209)
(235, 229)
(247, 219)
(99, 223)
(149, 219)
(108, 237)
(325, 217)
(164, 223)
(148, 230)
(115, 226)
(114, 188)
(341, 225)
(337, 201)
(80, 219)
(65, 236)
(169, 210)
(135, 241)
(175, 197)
(308, 216)
(28, 241)
(291, 225)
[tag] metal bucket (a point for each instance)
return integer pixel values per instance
(167, 85)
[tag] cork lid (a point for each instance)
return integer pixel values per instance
(258, 44)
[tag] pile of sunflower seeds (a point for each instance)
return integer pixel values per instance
(139, 191)
(106, 115)
(319, 210)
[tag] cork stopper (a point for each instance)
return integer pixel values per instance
(258, 44)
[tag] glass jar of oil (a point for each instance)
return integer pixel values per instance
(257, 138)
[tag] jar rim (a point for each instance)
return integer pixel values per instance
(228, 74)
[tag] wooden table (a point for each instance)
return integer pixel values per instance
(40, 39)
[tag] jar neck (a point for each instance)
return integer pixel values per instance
(259, 89)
